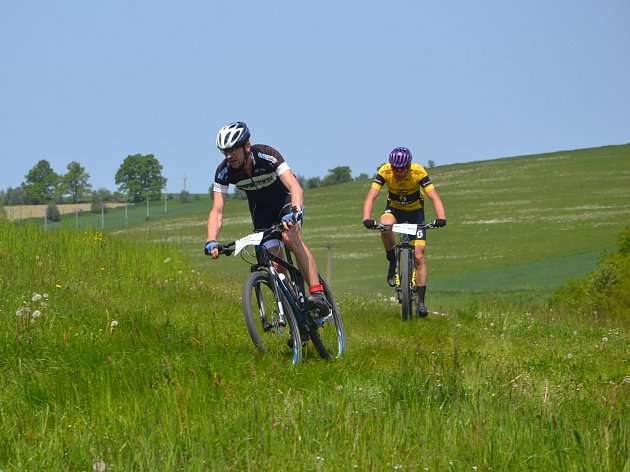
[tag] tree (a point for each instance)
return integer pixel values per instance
(239, 194)
(15, 196)
(75, 182)
(99, 197)
(338, 175)
(431, 163)
(140, 177)
(313, 182)
(41, 184)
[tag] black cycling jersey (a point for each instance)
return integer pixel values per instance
(267, 196)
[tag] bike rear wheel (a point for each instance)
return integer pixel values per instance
(262, 315)
(407, 289)
(329, 337)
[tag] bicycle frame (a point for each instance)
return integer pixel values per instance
(294, 290)
(275, 274)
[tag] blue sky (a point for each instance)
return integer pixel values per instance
(326, 82)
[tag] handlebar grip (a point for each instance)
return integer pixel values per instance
(225, 249)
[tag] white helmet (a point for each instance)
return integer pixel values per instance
(232, 135)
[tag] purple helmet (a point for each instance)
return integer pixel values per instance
(400, 157)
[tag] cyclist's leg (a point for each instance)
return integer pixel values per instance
(292, 238)
(389, 241)
(419, 242)
(263, 219)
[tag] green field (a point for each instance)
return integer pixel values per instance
(519, 225)
(126, 349)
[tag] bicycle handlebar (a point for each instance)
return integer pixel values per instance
(407, 228)
(256, 238)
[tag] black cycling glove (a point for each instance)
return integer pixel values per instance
(369, 224)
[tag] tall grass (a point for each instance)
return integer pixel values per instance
(138, 361)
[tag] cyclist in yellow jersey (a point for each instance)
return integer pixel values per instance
(406, 182)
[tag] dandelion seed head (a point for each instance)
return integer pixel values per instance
(604, 339)
(167, 260)
(569, 356)
(114, 323)
(37, 314)
(36, 297)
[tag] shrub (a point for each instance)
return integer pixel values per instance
(606, 290)
(52, 213)
(184, 196)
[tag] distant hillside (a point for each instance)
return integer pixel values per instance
(518, 225)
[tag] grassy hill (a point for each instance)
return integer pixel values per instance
(116, 353)
(519, 225)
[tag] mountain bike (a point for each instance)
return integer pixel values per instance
(274, 303)
(406, 265)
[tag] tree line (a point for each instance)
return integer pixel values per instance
(138, 178)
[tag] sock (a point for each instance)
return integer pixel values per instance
(421, 292)
(317, 290)
(391, 256)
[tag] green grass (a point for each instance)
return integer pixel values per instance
(175, 384)
(514, 225)
(140, 359)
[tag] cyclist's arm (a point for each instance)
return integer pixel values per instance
(437, 204)
(215, 217)
(293, 186)
(369, 202)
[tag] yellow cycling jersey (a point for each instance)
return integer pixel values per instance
(404, 194)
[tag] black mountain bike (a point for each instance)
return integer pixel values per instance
(274, 304)
(406, 265)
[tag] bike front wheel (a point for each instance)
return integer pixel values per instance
(329, 336)
(407, 289)
(270, 321)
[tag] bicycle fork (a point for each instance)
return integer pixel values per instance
(282, 321)
(410, 261)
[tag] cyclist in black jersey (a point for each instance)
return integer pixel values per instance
(406, 183)
(274, 195)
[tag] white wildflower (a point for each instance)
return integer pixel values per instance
(99, 466)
